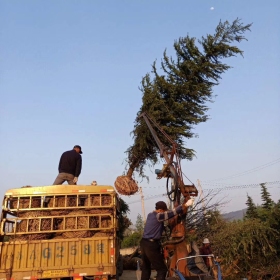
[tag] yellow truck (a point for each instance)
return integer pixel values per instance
(63, 231)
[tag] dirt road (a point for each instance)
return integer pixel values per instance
(131, 275)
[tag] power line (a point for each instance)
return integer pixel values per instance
(148, 198)
(247, 171)
(227, 188)
(215, 184)
(234, 185)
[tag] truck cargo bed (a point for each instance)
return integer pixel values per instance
(59, 231)
(57, 258)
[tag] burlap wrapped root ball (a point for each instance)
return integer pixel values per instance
(35, 224)
(97, 200)
(126, 185)
(93, 200)
(27, 226)
(76, 220)
(60, 201)
(24, 202)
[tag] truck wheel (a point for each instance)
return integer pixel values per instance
(134, 262)
(120, 265)
(116, 277)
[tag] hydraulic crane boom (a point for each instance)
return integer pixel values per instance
(175, 248)
(172, 168)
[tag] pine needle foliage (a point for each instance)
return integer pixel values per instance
(177, 95)
(267, 201)
(246, 246)
(251, 212)
(250, 247)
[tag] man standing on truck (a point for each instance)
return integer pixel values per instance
(150, 243)
(70, 166)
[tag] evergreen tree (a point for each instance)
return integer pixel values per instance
(124, 221)
(177, 96)
(251, 244)
(139, 224)
(251, 212)
(265, 195)
(134, 238)
(131, 240)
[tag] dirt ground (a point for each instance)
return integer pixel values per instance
(131, 275)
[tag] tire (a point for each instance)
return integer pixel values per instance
(120, 265)
(134, 261)
(116, 277)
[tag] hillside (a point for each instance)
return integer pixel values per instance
(235, 215)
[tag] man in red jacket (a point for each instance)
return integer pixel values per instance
(206, 250)
(70, 166)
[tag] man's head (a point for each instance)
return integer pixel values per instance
(161, 205)
(78, 149)
(206, 242)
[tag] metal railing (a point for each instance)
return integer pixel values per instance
(58, 213)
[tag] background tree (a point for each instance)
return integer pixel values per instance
(265, 195)
(245, 246)
(275, 224)
(131, 240)
(177, 96)
(248, 248)
(124, 221)
(134, 238)
(139, 224)
(251, 212)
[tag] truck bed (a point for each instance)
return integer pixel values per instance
(59, 231)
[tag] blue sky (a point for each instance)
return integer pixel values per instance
(70, 72)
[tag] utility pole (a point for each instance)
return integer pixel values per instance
(143, 206)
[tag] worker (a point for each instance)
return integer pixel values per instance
(70, 166)
(150, 243)
(206, 250)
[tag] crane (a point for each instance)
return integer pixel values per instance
(175, 248)
(172, 169)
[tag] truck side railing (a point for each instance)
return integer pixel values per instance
(30, 202)
(55, 224)
(30, 217)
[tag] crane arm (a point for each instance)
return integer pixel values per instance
(170, 169)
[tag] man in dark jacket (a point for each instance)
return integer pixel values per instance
(70, 166)
(150, 243)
